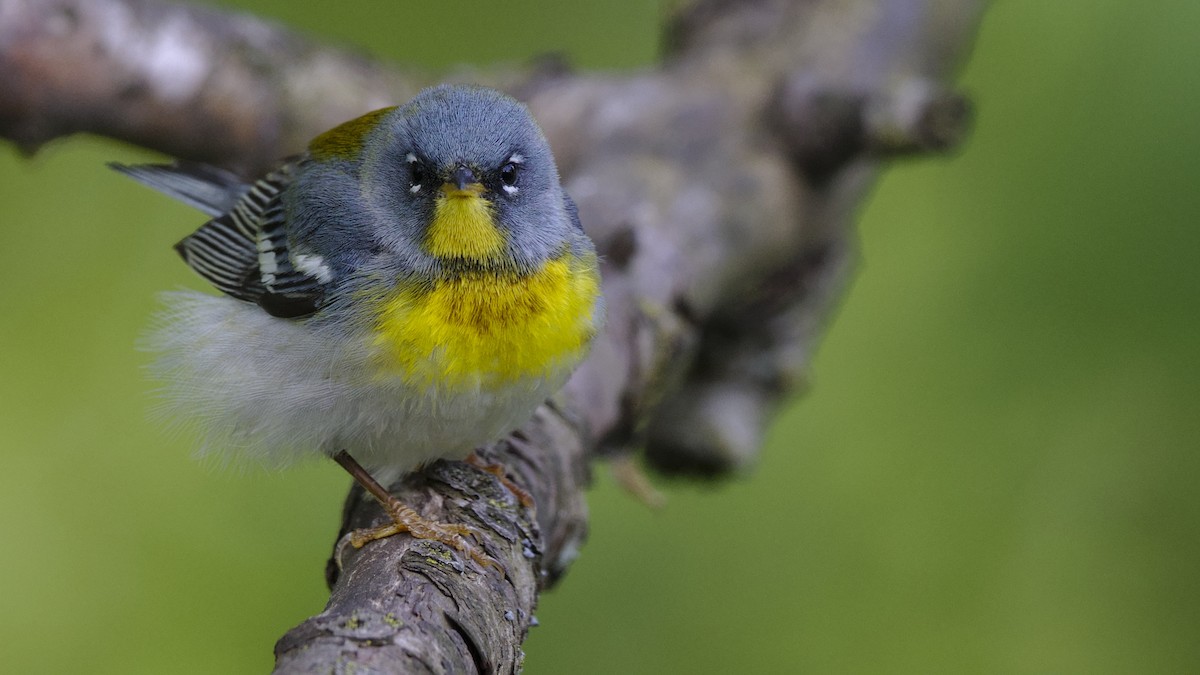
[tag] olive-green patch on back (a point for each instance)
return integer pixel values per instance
(345, 141)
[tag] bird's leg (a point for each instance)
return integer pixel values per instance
(405, 518)
(498, 471)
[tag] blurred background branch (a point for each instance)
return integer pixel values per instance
(992, 475)
(720, 189)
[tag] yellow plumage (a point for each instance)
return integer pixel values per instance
(490, 325)
(463, 227)
(489, 328)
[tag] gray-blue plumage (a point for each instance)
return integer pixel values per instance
(359, 215)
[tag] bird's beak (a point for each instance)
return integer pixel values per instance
(462, 182)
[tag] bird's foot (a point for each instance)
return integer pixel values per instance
(406, 519)
(498, 471)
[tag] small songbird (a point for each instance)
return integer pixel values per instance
(411, 287)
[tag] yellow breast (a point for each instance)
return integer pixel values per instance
(488, 328)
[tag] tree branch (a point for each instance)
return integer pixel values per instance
(720, 189)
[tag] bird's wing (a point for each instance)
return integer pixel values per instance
(244, 250)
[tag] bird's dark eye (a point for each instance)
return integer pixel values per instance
(508, 174)
(417, 174)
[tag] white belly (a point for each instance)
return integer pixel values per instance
(275, 390)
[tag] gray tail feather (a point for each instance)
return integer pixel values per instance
(207, 188)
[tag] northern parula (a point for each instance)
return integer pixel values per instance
(411, 287)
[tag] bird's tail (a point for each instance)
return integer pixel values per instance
(207, 188)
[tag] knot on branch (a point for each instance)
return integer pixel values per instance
(827, 125)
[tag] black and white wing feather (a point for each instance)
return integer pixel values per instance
(244, 250)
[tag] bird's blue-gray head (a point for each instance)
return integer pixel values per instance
(459, 175)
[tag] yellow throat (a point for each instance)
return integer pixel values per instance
(489, 325)
(463, 226)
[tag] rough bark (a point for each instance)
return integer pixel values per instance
(720, 187)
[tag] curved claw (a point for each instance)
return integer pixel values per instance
(405, 519)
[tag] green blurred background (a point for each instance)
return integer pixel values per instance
(995, 472)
